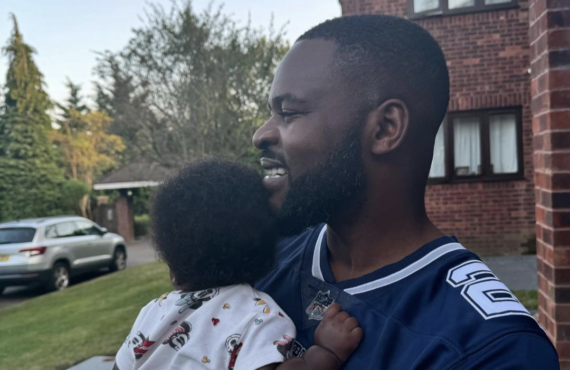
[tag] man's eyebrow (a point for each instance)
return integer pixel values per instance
(287, 97)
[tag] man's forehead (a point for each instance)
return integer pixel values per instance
(305, 70)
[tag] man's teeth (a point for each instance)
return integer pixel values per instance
(275, 172)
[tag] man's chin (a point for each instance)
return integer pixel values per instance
(276, 200)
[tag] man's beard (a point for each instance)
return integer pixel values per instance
(325, 190)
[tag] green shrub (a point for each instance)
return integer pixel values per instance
(141, 225)
(72, 192)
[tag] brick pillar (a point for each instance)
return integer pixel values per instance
(125, 217)
(550, 90)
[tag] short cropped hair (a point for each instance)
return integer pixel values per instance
(213, 225)
(391, 58)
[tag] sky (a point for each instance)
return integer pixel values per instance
(67, 33)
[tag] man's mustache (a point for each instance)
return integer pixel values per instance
(266, 153)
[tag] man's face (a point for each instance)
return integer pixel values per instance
(311, 143)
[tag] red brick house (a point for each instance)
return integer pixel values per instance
(481, 183)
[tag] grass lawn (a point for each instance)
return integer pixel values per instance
(57, 330)
(529, 298)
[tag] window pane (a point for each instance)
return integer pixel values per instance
(491, 2)
(17, 235)
(86, 228)
(65, 229)
(438, 161)
(51, 232)
(456, 4)
(467, 146)
(425, 5)
(503, 137)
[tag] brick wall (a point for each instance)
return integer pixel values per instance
(125, 217)
(488, 59)
(550, 55)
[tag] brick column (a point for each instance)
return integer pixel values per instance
(550, 90)
(125, 217)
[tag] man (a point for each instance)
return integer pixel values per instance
(355, 107)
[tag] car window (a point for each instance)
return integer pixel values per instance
(51, 232)
(86, 228)
(65, 229)
(17, 235)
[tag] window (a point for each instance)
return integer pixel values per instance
(478, 146)
(51, 232)
(86, 228)
(424, 8)
(17, 235)
(63, 230)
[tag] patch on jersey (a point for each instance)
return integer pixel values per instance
(484, 291)
(316, 310)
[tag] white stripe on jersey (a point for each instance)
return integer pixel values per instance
(317, 256)
(387, 280)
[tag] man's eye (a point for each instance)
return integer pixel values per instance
(288, 116)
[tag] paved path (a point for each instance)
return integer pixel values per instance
(139, 252)
(517, 272)
(95, 363)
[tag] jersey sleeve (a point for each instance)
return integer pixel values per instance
(125, 357)
(520, 351)
(267, 339)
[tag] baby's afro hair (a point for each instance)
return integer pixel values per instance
(213, 225)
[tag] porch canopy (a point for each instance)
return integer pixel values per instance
(137, 174)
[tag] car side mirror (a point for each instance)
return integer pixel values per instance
(104, 231)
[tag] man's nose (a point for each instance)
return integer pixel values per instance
(266, 136)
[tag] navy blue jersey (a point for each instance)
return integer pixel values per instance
(439, 308)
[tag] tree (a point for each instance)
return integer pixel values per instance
(189, 84)
(25, 120)
(86, 147)
(30, 176)
(88, 150)
(74, 101)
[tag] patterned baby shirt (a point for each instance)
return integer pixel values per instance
(234, 328)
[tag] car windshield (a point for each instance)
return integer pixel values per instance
(17, 235)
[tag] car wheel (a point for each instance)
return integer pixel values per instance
(60, 277)
(2, 288)
(119, 260)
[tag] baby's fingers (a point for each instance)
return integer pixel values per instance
(332, 310)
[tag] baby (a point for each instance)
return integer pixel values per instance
(214, 228)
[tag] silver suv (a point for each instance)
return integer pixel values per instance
(51, 250)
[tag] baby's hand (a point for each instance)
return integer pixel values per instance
(338, 332)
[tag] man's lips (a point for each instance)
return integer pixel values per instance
(273, 168)
(275, 174)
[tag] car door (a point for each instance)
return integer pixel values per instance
(72, 241)
(100, 247)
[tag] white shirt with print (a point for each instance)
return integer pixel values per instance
(235, 327)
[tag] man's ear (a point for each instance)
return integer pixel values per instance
(386, 126)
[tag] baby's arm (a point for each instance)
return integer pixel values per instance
(336, 338)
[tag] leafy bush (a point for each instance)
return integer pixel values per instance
(71, 193)
(141, 225)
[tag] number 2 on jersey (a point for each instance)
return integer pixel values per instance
(484, 291)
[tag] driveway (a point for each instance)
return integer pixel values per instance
(139, 252)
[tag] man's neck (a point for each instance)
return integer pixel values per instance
(376, 239)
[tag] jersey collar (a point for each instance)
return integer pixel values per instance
(387, 275)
